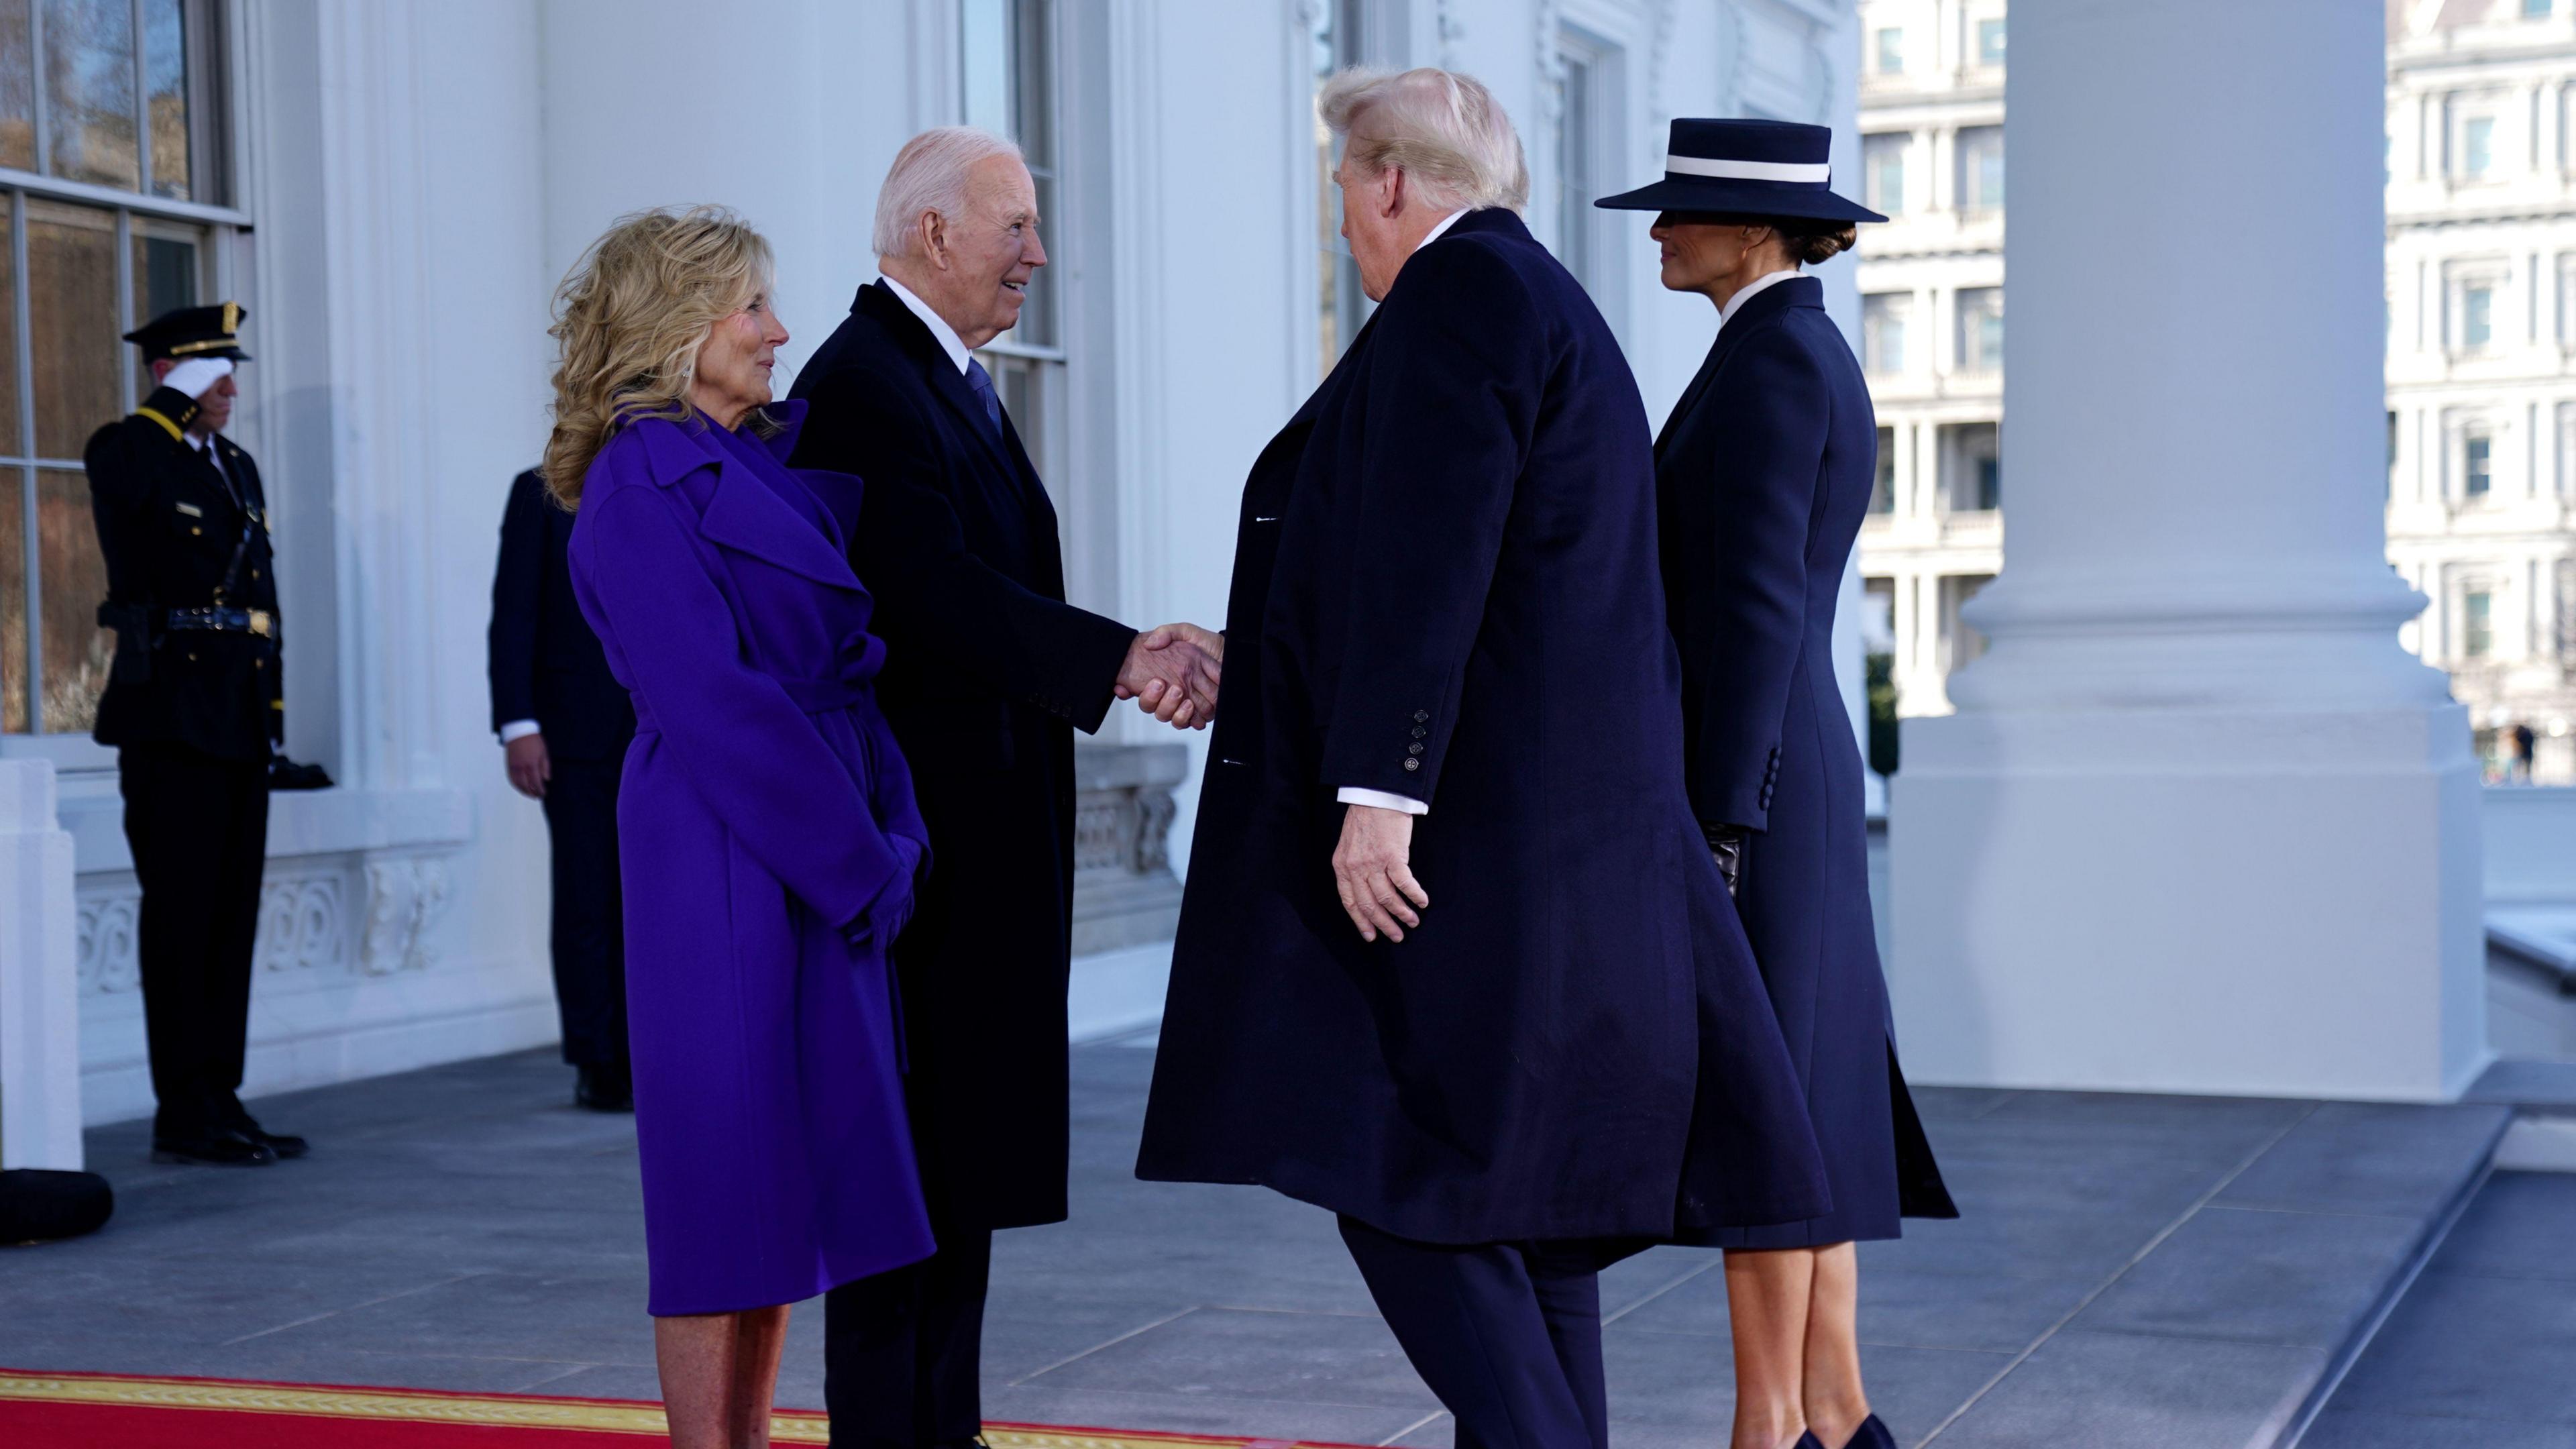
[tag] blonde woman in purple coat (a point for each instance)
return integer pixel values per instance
(769, 841)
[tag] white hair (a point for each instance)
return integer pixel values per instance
(929, 174)
(1443, 129)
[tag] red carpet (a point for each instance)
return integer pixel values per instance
(115, 1411)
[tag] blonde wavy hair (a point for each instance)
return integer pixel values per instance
(629, 320)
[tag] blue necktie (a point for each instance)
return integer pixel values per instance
(982, 381)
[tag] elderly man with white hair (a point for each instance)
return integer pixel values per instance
(988, 673)
(1455, 962)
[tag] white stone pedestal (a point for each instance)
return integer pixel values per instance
(2199, 825)
(40, 1107)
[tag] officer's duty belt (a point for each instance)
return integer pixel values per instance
(223, 621)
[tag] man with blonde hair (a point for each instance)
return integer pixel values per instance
(988, 674)
(1452, 676)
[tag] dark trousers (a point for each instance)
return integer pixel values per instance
(903, 1351)
(589, 935)
(1508, 1335)
(198, 828)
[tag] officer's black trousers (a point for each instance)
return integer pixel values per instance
(1508, 1335)
(589, 937)
(198, 827)
(903, 1351)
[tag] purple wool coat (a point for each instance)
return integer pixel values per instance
(769, 850)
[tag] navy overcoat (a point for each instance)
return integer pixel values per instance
(1762, 477)
(988, 674)
(1444, 587)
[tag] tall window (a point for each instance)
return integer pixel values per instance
(1891, 51)
(2536, 9)
(1981, 329)
(2477, 315)
(2477, 463)
(2477, 624)
(1972, 465)
(1981, 170)
(1007, 57)
(1341, 306)
(1883, 167)
(1574, 178)
(2477, 147)
(1990, 41)
(1883, 316)
(131, 108)
(1882, 489)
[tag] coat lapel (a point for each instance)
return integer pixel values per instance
(744, 513)
(1773, 300)
(946, 382)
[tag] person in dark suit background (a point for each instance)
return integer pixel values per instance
(1452, 962)
(1763, 475)
(564, 723)
(196, 710)
(988, 674)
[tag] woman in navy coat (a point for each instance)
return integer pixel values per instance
(1763, 474)
(767, 830)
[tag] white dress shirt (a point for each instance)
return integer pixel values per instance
(1349, 794)
(949, 341)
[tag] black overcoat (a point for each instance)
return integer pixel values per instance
(544, 661)
(1444, 588)
(1762, 478)
(988, 673)
(171, 521)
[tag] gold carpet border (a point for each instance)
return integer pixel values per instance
(502, 1411)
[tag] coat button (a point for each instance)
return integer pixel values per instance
(196, 533)
(1420, 715)
(1413, 749)
(1413, 764)
(1419, 732)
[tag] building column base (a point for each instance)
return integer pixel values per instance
(2224, 901)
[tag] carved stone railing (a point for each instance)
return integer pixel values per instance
(1124, 891)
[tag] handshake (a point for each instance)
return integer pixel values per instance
(1171, 673)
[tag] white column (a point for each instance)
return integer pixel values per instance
(2199, 824)
(40, 1106)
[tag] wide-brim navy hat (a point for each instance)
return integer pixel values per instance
(1746, 168)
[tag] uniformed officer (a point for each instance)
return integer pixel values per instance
(195, 707)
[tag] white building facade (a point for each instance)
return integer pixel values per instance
(392, 188)
(2482, 362)
(2481, 348)
(1932, 299)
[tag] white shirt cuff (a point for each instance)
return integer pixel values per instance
(1382, 800)
(518, 729)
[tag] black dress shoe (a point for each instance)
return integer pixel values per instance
(277, 1142)
(216, 1147)
(1872, 1435)
(604, 1089)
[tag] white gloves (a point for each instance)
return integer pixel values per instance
(196, 375)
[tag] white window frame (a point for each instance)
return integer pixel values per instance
(2462, 109)
(1600, 251)
(214, 166)
(1875, 146)
(2459, 279)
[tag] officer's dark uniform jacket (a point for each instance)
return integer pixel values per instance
(191, 587)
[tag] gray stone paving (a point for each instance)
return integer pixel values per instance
(2156, 1271)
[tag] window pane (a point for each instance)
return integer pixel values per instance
(984, 45)
(13, 601)
(2478, 147)
(1891, 52)
(1883, 160)
(11, 442)
(1990, 42)
(1981, 328)
(168, 274)
(74, 581)
(1882, 488)
(1981, 168)
(2477, 325)
(71, 292)
(1574, 172)
(2535, 9)
(165, 80)
(17, 87)
(2480, 472)
(89, 90)
(2480, 633)
(1883, 318)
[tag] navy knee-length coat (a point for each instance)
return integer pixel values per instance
(1763, 476)
(1445, 588)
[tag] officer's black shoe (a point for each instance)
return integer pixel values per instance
(279, 1143)
(604, 1089)
(214, 1147)
(285, 774)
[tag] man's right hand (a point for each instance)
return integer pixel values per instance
(530, 766)
(1173, 678)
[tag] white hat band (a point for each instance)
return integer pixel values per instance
(1813, 174)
